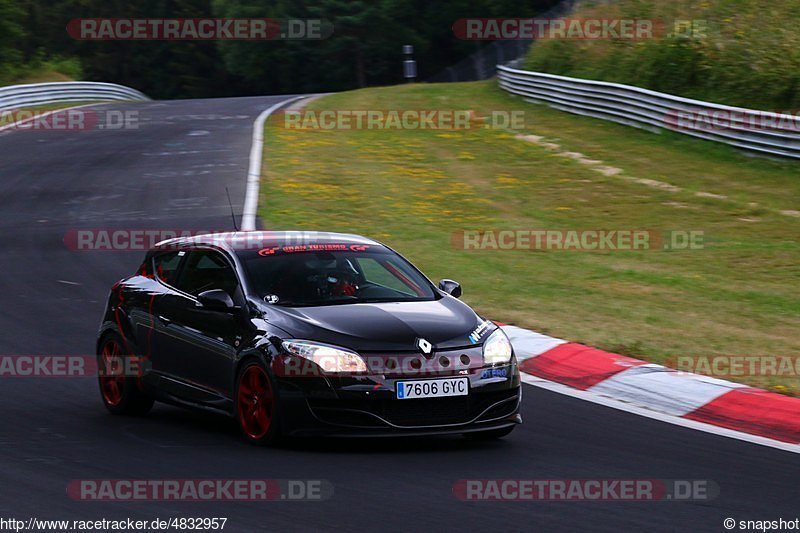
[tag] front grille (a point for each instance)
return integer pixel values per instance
(427, 411)
(416, 412)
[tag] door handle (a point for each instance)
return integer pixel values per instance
(164, 320)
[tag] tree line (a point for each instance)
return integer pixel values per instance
(364, 49)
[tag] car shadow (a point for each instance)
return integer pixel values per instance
(170, 426)
(391, 445)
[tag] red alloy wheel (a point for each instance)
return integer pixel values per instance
(112, 380)
(255, 402)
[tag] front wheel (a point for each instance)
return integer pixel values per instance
(491, 434)
(256, 409)
(121, 393)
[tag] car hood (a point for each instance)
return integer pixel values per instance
(369, 327)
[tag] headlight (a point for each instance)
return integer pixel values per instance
(497, 348)
(329, 358)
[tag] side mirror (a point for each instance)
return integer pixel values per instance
(450, 287)
(216, 300)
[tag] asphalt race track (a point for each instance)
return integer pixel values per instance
(171, 173)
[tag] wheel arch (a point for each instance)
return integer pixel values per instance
(263, 351)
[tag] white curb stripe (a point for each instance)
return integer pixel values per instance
(528, 343)
(663, 389)
(254, 170)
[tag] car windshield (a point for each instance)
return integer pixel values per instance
(353, 274)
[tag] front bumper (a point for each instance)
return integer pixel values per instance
(368, 405)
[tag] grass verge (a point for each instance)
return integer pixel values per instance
(414, 188)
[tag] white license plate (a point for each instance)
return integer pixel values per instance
(432, 388)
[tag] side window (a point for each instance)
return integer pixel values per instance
(379, 274)
(206, 270)
(165, 266)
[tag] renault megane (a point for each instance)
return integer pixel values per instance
(298, 333)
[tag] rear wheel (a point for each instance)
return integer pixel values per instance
(491, 434)
(256, 409)
(121, 394)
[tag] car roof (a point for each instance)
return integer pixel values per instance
(237, 241)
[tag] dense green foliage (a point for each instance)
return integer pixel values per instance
(365, 48)
(11, 33)
(746, 53)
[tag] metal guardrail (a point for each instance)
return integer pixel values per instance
(748, 129)
(18, 96)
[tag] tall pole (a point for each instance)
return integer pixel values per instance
(409, 65)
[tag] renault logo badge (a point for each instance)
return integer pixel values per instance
(425, 346)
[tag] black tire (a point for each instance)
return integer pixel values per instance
(492, 434)
(125, 396)
(256, 402)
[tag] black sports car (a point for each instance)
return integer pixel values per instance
(297, 333)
